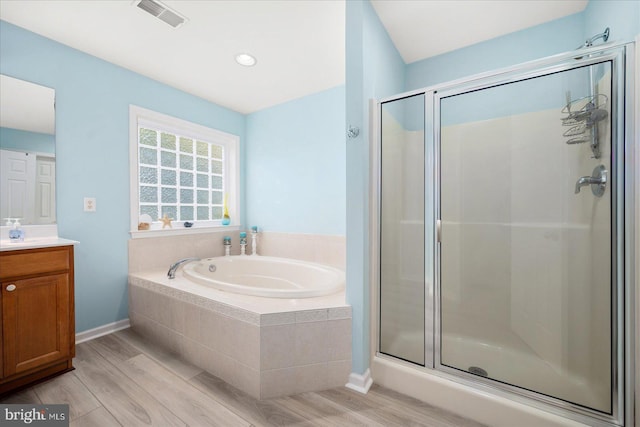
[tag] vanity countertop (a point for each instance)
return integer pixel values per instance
(45, 242)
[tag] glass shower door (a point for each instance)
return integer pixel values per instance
(402, 232)
(525, 188)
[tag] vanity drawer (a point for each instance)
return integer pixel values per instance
(34, 261)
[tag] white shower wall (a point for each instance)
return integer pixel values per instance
(402, 263)
(525, 261)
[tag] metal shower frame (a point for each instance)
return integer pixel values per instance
(624, 276)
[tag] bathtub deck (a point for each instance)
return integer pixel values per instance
(121, 379)
(184, 289)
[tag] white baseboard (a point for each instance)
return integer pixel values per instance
(102, 330)
(360, 383)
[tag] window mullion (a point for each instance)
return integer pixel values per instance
(213, 171)
(159, 175)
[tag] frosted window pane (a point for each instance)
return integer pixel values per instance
(186, 162)
(171, 211)
(148, 137)
(202, 164)
(168, 141)
(186, 213)
(180, 176)
(216, 166)
(202, 149)
(216, 151)
(148, 194)
(216, 197)
(152, 211)
(186, 196)
(148, 156)
(168, 177)
(203, 212)
(148, 175)
(216, 182)
(203, 197)
(169, 195)
(186, 145)
(186, 179)
(168, 159)
(216, 212)
(203, 181)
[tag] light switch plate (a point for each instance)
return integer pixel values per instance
(89, 204)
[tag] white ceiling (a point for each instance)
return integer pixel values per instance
(422, 29)
(300, 45)
(26, 106)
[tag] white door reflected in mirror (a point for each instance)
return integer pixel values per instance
(27, 187)
(27, 152)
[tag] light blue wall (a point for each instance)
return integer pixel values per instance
(374, 69)
(23, 140)
(621, 16)
(295, 165)
(537, 42)
(543, 93)
(92, 154)
(561, 35)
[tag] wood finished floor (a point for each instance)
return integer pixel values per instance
(123, 380)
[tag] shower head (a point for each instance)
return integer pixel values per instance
(597, 115)
(603, 35)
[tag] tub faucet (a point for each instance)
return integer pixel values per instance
(227, 245)
(171, 274)
(243, 243)
(254, 240)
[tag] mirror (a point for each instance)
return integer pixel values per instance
(27, 152)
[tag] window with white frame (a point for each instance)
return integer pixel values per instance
(185, 171)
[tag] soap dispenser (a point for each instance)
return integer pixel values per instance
(16, 234)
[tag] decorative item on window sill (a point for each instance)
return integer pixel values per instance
(226, 219)
(144, 223)
(188, 224)
(166, 221)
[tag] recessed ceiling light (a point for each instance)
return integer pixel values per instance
(246, 60)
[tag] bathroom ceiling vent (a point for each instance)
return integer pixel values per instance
(161, 12)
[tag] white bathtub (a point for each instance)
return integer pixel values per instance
(266, 276)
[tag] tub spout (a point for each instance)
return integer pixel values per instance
(597, 181)
(171, 274)
(584, 181)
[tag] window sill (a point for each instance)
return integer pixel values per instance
(143, 234)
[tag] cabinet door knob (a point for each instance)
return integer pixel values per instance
(11, 287)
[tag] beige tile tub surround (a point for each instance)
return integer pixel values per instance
(160, 252)
(242, 339)
(323, 249)
(152, 253)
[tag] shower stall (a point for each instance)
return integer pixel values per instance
(503, 257)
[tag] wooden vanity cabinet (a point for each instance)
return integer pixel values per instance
(37, 311)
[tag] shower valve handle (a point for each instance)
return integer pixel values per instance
(597, 180)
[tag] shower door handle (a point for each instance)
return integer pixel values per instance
(438, 230)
